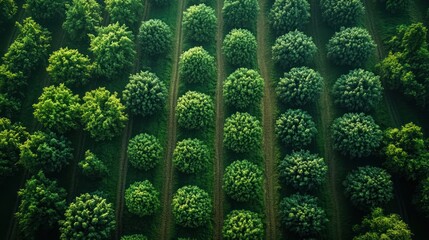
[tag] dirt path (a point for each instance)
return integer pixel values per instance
(220, 114)
(172, 129)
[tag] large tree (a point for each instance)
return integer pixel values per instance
(199, 22)
(144, 151)
(45, 9)
(239, 47)
(243, 224)
(242, 132)
(155, 37)
(296, 128)
(142, 199)
(288, 15)
(196, 65)
(194, 110)
(338, 13)
(124, 11)
(82, 18)
(242, 181)
(243, 88)
(191, 156)
(240, 13)
(12, 135)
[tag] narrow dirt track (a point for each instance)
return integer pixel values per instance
(172, 129)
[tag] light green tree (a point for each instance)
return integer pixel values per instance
(242, 132)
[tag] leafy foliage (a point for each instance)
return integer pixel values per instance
(243, 224)
(144, 151)
(296, 128)
(82, 18)
(142, 199)
(293, 49)
(302, 215)
(42, 204)
(423, 196)
(160, 3)
(338, 13)
(45, 9)
(288, 15)
(196, 65)
(124, 11)
(12, 135)
(155, 37)
(103, 114)
(359, 90)
(12, 85)
(8, 9)
(242, 181)
(191, 156)
(88, 217)
(92, 166)
(240, 13)
(369, 187)
(194, 110)
(350, 46)
(243, 88)
(239, 47)
(144, 94)
(199, 22)
(396, 6)
(191, 207)
(299, 86)
(134, 237)
(303, 170)
(356, 135)
(48, 152)
(242, 132)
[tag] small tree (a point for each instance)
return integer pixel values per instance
(142, 199)
(243, 224)
(293, 49)
(124, 11)
(242, 132)
(239, 47)
(299, 86)
(144, 151)
(42, 204)
(288, 15)
(243, 88)
(45, 151)
(196, 65)
(82, 18)
(356, 135)
(396, 6)
(194, 110)
(191, 206)
(296, 128)
(240, 13)
(88, 216)
(423, 196)
(338, 13)
(103, 114)
(92, 166)
(302, 215)
(303, 170)
(45, 9)
(191, 156)
(242, 181)
(144, 94)
(8, 9)
(359, 90)
(350, 46)
(155, 37)
(199, 22)
(369, 187)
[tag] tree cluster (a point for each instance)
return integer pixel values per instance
(196, 65)
(191, 156)
(240, 13)
(239, 47)
(242, 181)
(124, 11)
(243, 224)
(82, 18)
(155, 37)
(243, 88)
(92, 166)
(199, 22)
(142, 199)
(339, 13)
(242, 132)
(12, 135)
(288, 15)
(296, 128)
(194, 110)
(144, 151)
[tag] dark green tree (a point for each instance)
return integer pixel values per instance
(12, 135)
(144, 151)
(199, 22)
(243, 224)
(191, 156)
(240, 13)
(243, 88)
(155, 37)
(396, 6)
(194, 110)
(242, 181)
(339, 13)
(239, 47)
(8, 9)
(196, 65)
(288, 15)
(82, 18)
(423, 196)
(242, 132)
(12, 85)
(296, 128)
(45, 9)
(92, 166)
(124, 11)
(134, 237)
(142, 199)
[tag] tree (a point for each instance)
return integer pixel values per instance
(70, 67)
(240, 13)
(155, 37)
(58, 109)
(369, 187)
(199, 22)
(142, 199)
(144, 94)
(356, 135)
(42, 204)
(242, 181)
(48, 152)
(338, 13)
(125, 12)
(299, 86)
(12, 135)
(423, 196)
(296, 128)
(396, 6)
(194, 110)
(359, 90)
(12, 85)
(192, 206)
(288, 15)
(88, 217)
(134, 237)
(350, 46)
(243, 88)
(243, 224)
(82, 18)
(239, 47)
(191, 156)
(92, 166)
(144, 151)
(8, 9)
(113, 50)
(45, 9)
(103, 114)
(196, 65)
(379, 226)
(242, 132)
(303, 170)
(293, 49)
(302, 215)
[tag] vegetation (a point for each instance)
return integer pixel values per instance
(155, 37)
(243, 88)
(423, 196)
(11, 91)
(92, 166)
(191, 156)
(356, 135)
(295, 128)
(144, 151)
(124, 11)
(8, 9)
(82, 18)
(288, 15)
(199, 22)
(134, 237)
(194, 110)
(242, 132)
(243, 224)
(242, 181)
(45, 9)
(338, 13)
(12, 135)
(196, 65)
(240, 13)
(396, 6)
(142, 199)
(239, 47)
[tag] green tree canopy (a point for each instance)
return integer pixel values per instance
(339, 13)
(134, 237)
(242, 132)
(199, 22)
(45, 9)
(82, 18)
(8, 9)
(243, 224)
(239, 47)
(194, 110)
(144, 151)
(191, 156)
(196, 65)
(396, 6)
(124, 11)
(12, 135)
(288, 15)
(92, 166)
(242, 181)
(240, 13)
(243, 88)
(155, 37)
(142, 199)
(296, 128)
(423, 196)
